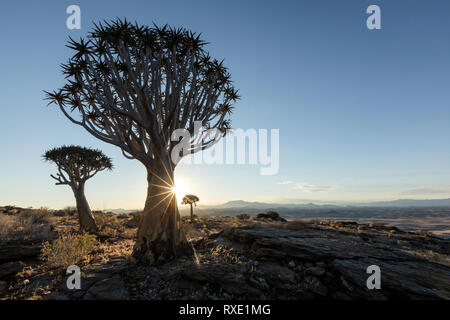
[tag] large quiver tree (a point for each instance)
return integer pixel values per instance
(75, 166)
(133, 86)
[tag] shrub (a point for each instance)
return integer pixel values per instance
(69, 249)
(37, 216)
(23, 227)
(243, 216)
(100, 219)
(109, 223)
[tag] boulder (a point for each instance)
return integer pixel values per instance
(271, 216)
(274, 215)
(133, 223)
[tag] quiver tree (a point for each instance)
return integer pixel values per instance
(133, 86)
(192, 200)
(75, 166)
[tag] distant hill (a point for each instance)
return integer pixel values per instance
(410, 203)
(120, 210)
(253, 207)
(241, 204)
(235, 204)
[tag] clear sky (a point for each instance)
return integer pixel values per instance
(363, 114)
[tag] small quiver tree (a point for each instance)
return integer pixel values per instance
(192, 200)
(75, 166)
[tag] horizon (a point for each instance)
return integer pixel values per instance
(362, 114)
(281, 202)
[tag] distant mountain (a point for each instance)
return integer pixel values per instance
(256, 206)
(245, 204)
(120, 210)
(410, 203)
(394, 203)
(235, 204)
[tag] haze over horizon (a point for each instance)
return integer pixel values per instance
(363, 115)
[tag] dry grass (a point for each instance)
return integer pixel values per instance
(110, 224)
(224, 254)
(26, 225)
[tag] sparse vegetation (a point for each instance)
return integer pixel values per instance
(224, 251)
(30, 224)
(69, 249)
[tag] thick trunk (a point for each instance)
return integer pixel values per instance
(85, 216)
(160, 235)
(192, 213)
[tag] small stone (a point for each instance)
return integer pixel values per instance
(346, 284)
(317, 271)
(314, 284)
(321, 264)
(259, 283)
(263, 283)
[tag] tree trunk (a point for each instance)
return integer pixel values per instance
(192, 213)
(160, 236)
(85, 216)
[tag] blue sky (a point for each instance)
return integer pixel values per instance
(363, 114)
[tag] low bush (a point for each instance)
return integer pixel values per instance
(69, 249)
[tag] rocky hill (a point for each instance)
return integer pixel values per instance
(240, 258)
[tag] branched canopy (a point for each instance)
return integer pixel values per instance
(77, 164)
(190, 199)
(132, 86)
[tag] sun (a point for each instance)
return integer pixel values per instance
(180, 188)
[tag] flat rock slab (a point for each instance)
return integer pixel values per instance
(18, 252)
(347, 256)
(98, 282)
(227, 277)
(112, 288)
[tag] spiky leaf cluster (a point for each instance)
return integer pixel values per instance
(190, 199)
(76, 163)
(132, 86)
